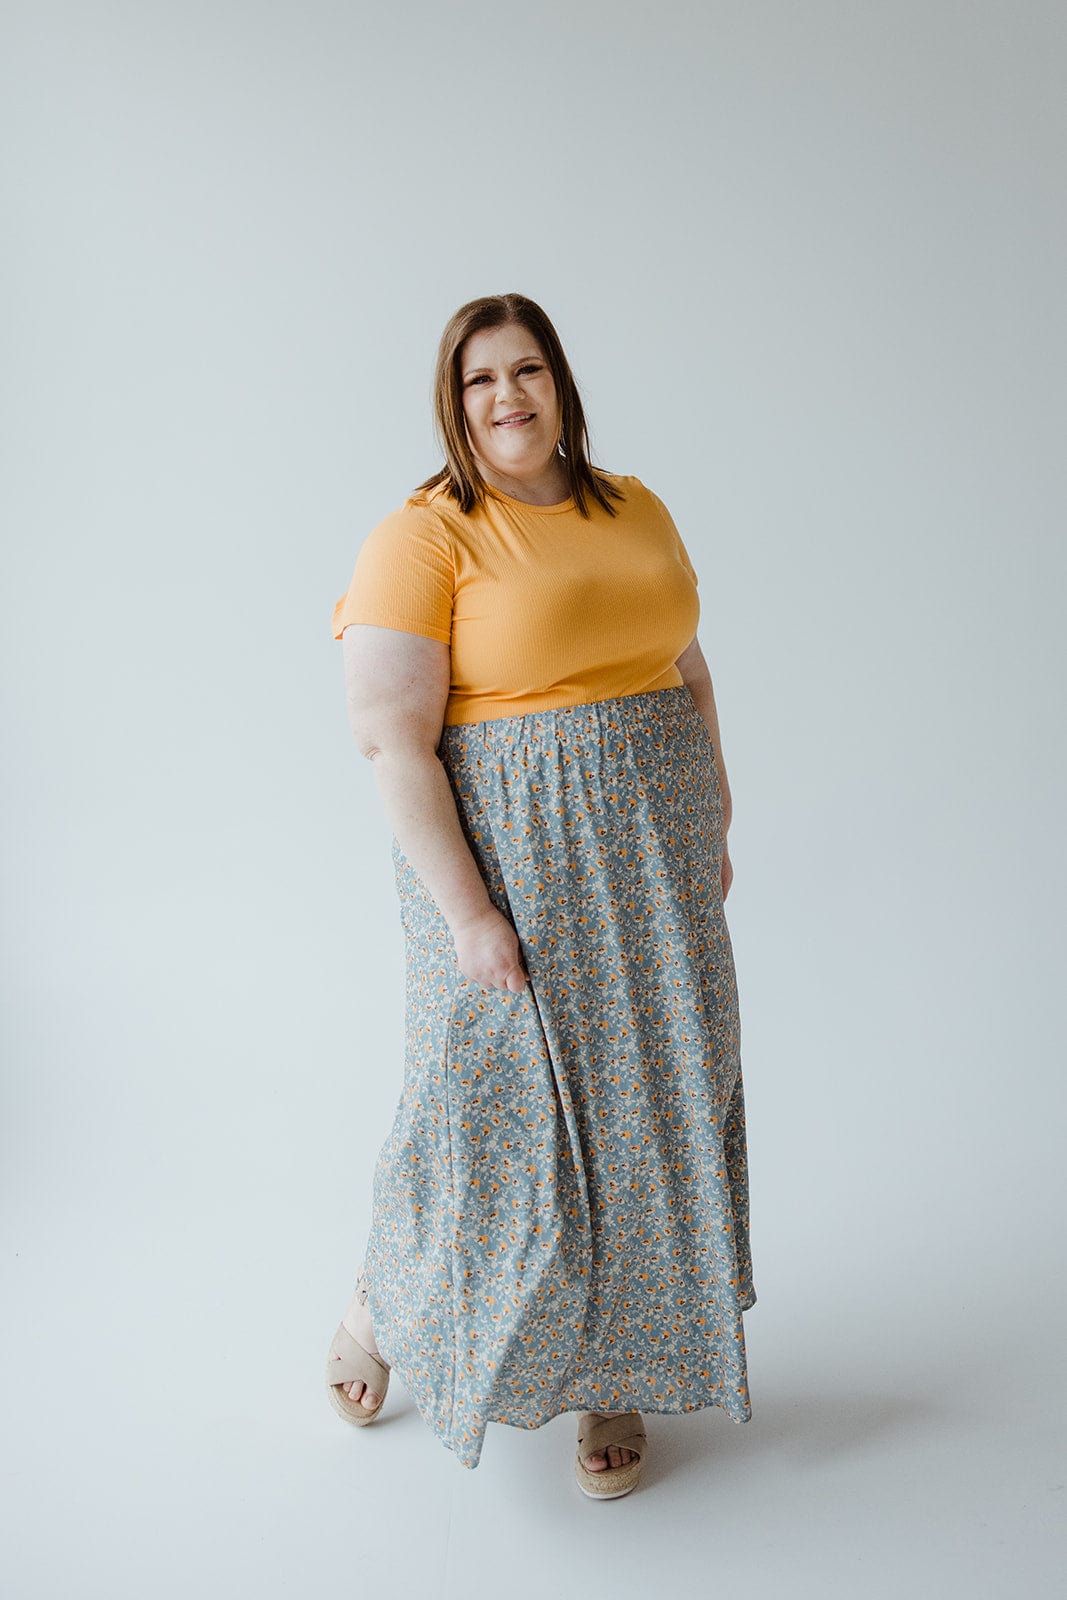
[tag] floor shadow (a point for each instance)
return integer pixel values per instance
(814, 1428)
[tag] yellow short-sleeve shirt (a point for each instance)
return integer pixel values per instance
(540, 606)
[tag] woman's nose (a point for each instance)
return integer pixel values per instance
(508, 388)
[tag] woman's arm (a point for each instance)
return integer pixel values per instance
(396, 685)
(697, 679)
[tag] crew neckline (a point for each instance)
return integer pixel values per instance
(526, 505)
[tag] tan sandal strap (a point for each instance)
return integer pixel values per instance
(355, 1365)
(597, 1432)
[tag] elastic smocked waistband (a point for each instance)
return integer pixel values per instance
(629, 712)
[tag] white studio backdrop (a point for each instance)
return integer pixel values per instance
(807, 261)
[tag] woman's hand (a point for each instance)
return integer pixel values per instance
(727, 870)
(488, 953)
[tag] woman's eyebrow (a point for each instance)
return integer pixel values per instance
(470, 372)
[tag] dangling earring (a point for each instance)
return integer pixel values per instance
(560, 446)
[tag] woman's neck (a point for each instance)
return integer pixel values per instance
(549, 488)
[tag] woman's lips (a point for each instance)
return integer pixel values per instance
(516, 421)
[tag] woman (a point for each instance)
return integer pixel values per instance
(560, 1212)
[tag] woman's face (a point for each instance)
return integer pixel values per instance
(510, 405)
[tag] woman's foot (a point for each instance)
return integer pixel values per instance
(357, 1320)
(615, 1456)
(611, 1448)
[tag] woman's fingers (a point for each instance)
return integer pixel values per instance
(488, 953)
(514, 978)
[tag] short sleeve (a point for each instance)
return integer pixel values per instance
(683, 553)
(404, 577)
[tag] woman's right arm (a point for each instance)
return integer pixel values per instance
(396, 685)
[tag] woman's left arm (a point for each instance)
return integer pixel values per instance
(697, 679)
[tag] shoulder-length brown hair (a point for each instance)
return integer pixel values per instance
(460, 475)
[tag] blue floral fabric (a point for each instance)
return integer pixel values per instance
(560, 1211)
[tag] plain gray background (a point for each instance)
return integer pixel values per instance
(808, 263)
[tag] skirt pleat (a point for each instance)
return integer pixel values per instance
(560, 1211)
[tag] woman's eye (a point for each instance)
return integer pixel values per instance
(484, 377)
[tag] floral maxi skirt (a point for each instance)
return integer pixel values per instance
(560, 1210)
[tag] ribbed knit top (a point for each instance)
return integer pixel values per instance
(541, 607)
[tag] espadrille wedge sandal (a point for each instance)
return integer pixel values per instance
(348, 1362)
(595, 1433)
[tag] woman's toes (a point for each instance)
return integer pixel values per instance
(357, 1390)
(616, 1456)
